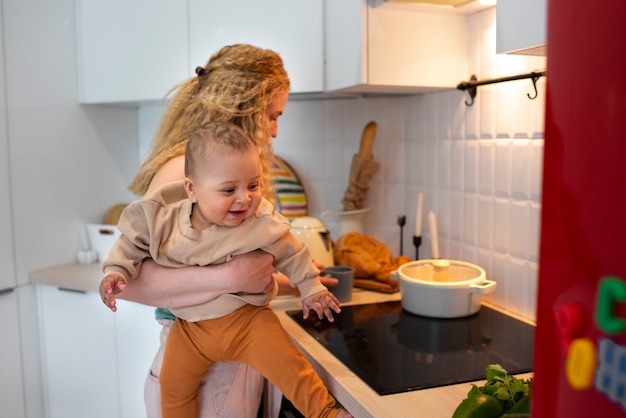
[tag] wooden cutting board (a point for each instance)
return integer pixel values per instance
(376, 286)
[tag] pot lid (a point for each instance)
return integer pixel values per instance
(442, 272)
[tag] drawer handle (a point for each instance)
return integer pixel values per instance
(65, 289)
(6, 291)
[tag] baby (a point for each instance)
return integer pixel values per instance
(216, 213)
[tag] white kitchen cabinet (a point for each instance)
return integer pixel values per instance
(130, 51)
(521, 27)
(293, 28)
(79, 356)
(134, 52)
(137, 341)
(7, 261)
(11, 380)
(389, 49)
(95, 361)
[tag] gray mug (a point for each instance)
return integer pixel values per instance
(345, 275)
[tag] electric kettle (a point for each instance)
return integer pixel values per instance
(315, 235)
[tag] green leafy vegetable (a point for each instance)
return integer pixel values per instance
(507, 389)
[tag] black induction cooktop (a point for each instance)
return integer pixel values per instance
(395, 351)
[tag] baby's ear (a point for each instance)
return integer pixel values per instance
(190, 189)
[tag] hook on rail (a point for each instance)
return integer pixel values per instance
(534, 80)
(471, 85)
(471, 90)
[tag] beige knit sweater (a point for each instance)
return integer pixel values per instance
(159, 227)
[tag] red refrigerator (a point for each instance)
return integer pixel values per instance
(580, 345)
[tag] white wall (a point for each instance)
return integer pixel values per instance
(67, 163)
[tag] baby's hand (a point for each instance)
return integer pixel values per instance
(110, 286)
(323, 303)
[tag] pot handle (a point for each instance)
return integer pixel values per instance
(483, 288)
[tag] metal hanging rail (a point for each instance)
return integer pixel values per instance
(471, 85)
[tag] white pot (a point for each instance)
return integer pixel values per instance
(442, 288)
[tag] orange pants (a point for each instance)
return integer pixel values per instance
(252, 335)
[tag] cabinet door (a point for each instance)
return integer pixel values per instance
(346, 43)
(79, 356)
(7, 260)
(391, 49)
(131, 51)
(293, 28)
(137, 335)
(521, 27)
(11, 382)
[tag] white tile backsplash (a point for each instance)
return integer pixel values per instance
(486, 222)
(502, 225)
(502, 168)
(486, 167)
(520, 233)
(520, 169)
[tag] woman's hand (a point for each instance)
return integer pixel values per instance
(285, 289)
(326, 281)
(251, 273)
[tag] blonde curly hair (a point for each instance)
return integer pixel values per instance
(236, 85)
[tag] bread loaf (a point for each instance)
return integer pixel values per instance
(370, 258)
(364, 253)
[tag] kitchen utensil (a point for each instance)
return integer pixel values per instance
(362, 170)
(313, 233)
(291, 199)
(419, 213)
(442, 288)
(345, 275)
(349, 221)
(401, 222)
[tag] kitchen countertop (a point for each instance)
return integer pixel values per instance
(73, 276)
(354, 394)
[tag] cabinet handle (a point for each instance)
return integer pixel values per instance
(6, 291)
(65, 289)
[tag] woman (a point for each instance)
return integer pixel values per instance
(248, 86)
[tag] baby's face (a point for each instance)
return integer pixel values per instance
(226, 191)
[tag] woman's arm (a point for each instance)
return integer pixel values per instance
(176, 287)
(285, 289)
